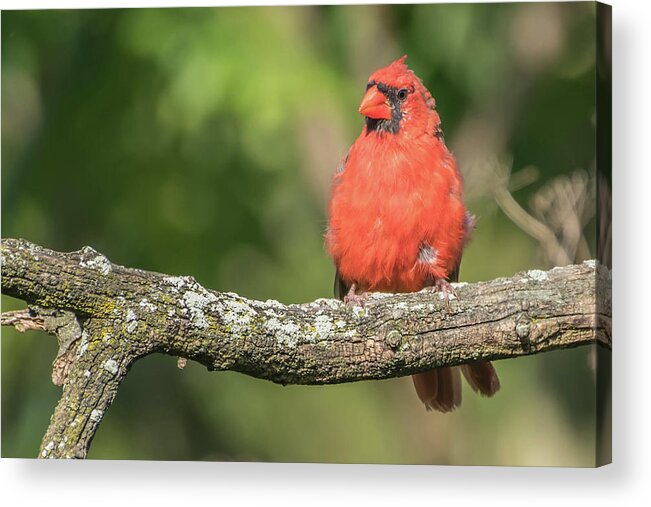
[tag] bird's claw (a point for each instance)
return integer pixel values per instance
(356, 299)
(353, 298)
(445, 289)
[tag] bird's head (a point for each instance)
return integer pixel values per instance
(396, 99)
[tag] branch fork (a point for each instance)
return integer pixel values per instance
(106, 317)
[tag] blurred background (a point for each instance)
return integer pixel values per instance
(202, 142)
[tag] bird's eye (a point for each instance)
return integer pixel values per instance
(402, 94)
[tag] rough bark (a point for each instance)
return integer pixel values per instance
(107, 316)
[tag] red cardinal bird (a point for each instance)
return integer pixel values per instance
(397, 222)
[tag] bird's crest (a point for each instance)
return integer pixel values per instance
(392, 72)
(398, 74)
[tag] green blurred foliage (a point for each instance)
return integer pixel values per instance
(201, 141)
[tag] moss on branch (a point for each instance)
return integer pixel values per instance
(124, 314)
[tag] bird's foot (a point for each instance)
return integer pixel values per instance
(444, 289)
(353, 298)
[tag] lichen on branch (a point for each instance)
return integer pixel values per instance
(124, 314)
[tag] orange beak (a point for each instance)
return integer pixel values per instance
(375, 105)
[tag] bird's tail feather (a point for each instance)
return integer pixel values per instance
(440, 389)
(482, 377)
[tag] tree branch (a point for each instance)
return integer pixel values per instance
(110, 316)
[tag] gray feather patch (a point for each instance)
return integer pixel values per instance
(427, 253)
(342, 164)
